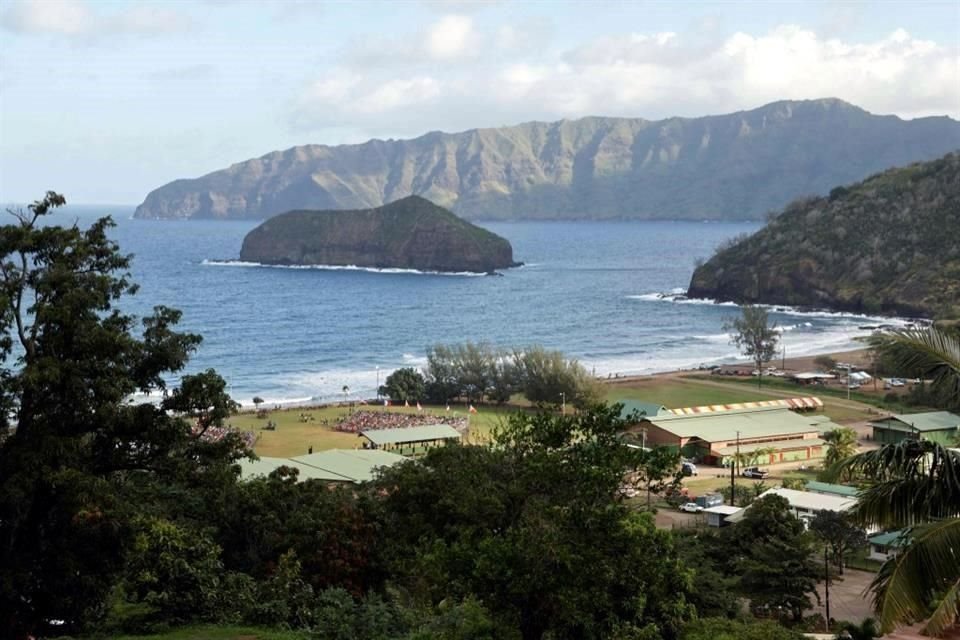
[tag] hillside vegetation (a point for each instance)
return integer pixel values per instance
(890, 244)
(412, 233)
(734, 166)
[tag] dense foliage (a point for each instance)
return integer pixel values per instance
(888, 244)
(479, 371)
(121, 516)
(404, 385)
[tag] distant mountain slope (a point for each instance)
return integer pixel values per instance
(410, 233)
(734, 166)
(889, 244)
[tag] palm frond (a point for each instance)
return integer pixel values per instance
(934, 353)
(911, 482)
(909, 583)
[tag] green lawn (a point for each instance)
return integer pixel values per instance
(293, 437)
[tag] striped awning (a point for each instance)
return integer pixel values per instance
(810, 402)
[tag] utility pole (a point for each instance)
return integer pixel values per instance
(563, 403)
(826, 586)
(783, 363)
(848, 381)
(378, 383)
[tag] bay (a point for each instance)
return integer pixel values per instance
(593, 290)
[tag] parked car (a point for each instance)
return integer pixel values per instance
(754, 472)
(689, 469)
(691, 507)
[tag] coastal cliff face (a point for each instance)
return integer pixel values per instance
(412, 233)
(890, 244)
(734, 166)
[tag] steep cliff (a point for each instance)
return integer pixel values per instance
(412, 233)
(735, 166)
(890, 244)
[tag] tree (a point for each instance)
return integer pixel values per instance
(73, 448)
(843, 444)
(549, 378)
(532, 527)
(257, 401)
(774, 558)
(930, 353)
(657, 469)
(839, 533)
(404, 385)
(826, 363)
(726, 629)
(914, 485)
(754, 336)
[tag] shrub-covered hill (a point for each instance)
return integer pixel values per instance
(411, 233)
(889, 244)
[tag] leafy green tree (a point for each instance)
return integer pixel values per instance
(548, 378)
(175, 571)
(866, 630)
(755, 336)
(825, 363)
(774, 558)
(657, 470)
(404, 385)
(705, 551)
(726, 629)
(839, 533)
(533, 528)
(73, 448)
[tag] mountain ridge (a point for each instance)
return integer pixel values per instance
(728, 166)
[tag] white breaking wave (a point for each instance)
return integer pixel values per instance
(334, 267)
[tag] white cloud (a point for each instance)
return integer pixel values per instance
(81, 20)
(652, 75)
(450, 37)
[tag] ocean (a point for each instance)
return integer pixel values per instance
(607, 293)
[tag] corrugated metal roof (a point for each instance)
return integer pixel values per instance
(265, 466)
(356, 465)
(777, 444)
(751, 423)
(928, 421)
(891, 538)
(835, 489)
(724, 510)
(408, 435)
(643, 408)
(809, 402)
(812, 501)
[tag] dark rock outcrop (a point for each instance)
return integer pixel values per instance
(412, 233)
(890, 244)
(735, 166)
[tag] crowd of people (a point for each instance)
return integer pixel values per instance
(215, 434)
(368, 420)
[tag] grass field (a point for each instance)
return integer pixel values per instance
(293, 437)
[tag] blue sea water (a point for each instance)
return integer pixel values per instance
(590, 289)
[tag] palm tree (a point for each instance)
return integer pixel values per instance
(915, 485)
(843, 444)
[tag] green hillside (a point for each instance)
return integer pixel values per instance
(889, 244)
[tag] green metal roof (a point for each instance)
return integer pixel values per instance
(355, 465)
(776, 444)
(750, 423)
(929, 421)
(265, 466)
(836, 489)
(889, 539)
(407, 435)
(643, 408)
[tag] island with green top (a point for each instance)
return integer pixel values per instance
(410, 233)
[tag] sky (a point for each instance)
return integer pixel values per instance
(104, 101)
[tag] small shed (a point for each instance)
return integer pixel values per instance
(886, 545)
(936, 426)
(409, 441)
(832, 489)
(717, 516)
